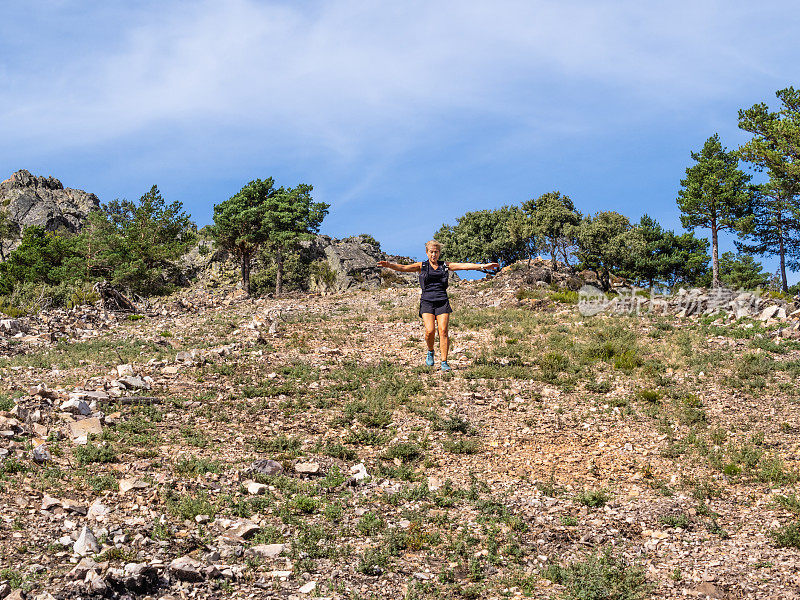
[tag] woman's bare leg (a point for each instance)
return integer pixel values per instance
(430, 329)
(444, 341)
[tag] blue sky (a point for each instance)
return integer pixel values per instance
(402, 115)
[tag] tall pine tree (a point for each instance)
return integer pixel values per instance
(775, 148)
(775, 226)
(715, 194)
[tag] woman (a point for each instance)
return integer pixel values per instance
(434, 307)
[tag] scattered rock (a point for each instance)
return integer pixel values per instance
(245, 529)
(131, 483)
(255, 488)
(85, 427)
(307, 468)
(266, 551)
(76, 407)
(265, 466)
(86, 543)
(308, 588)
(125, 370)
(186, 568)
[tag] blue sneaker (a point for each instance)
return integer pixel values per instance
(445, 367)
(429, 358)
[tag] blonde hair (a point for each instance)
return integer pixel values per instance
(433, 243)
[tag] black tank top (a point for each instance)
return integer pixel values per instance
(434, 282)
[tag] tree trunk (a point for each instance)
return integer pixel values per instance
(714, 256)
(781, 254)
(246, 273)
(278, 272)
(564, 253)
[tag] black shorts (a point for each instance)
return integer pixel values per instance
(437, 307)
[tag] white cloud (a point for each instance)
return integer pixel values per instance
(349, 77)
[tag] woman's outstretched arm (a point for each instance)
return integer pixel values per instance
(412, 268)
(472, 266)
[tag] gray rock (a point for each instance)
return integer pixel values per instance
(45, 202)
(768, 313)
(245, 529)
(10, 326)
(134, 382)
(76, 407)
(265, 466)
(86, 543)
(350, 263)
(186, 568)
(40, 454)
(266, 551)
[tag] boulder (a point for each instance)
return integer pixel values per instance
(186, 568)
(44, 202)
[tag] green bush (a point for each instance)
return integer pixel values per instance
(593, 498)
(91, 454)
(600, 577)
(787, 536)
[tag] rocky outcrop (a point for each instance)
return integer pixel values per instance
(350, 263)
(334, 265)
(44, 201)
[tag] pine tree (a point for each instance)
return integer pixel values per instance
(775, 148)
(716, 195)
(260, 215)
(775, 226)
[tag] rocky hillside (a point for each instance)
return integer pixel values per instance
(44, 201)
(218, 446)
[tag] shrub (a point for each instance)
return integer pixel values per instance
(462, 446)
(91, 454)
(593, 498)
(567, 297)
(406, 452)
(193, 466)
(787, 536)
(370, 524)
(599, 577)
(188, 506)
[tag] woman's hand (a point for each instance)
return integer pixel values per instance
(384, 263)
(492, 266)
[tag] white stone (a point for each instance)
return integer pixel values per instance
(267, 550)
(124, 370)
(359, 472)
(76, 407)
(186, 568)
(256, 488)
(308, 468)
(97, 510)
(86, 543)
(308, 588)
(768, 313)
